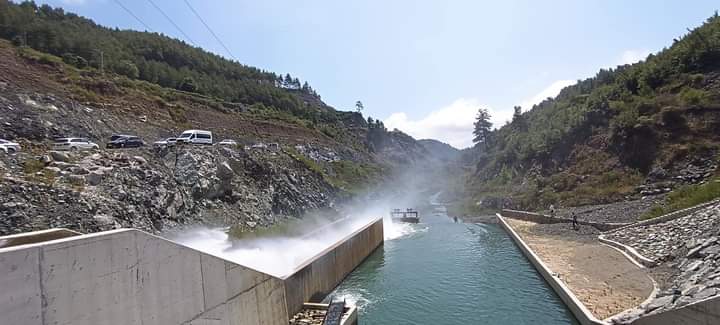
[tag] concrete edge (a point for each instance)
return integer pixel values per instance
(121, 230)
(39, 232)
(582, 314)
(634, 256)
(71, 238)
(331, 247)
(548, 219)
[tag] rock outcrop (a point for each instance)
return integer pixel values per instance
(156, 189)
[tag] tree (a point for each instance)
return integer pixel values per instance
(359, 106)
(370, 122)
(287, 83)
(518, 119)
(127, 69)
(482, 127)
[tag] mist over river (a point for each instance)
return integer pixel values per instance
(442, 272)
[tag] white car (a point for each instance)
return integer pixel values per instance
(228, 142)
(166, 143)
(74, 144)
(196, 137)
(9, 147)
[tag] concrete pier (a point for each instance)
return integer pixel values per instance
(128, 276)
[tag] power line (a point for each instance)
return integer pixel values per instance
(171, 21)
(209, 29)
(132, 14)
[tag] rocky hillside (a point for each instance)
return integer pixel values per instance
(156, 189)
(441, 150)
(633, 131)
(322, 159)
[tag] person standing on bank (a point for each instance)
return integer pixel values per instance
(575, 221)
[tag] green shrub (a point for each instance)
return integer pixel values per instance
(685, 197)
(693, 97)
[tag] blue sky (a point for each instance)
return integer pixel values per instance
(422, 66)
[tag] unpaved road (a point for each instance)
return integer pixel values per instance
(601, 277)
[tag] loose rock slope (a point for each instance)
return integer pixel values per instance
(690, 247)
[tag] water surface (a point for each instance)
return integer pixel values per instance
(441, 272)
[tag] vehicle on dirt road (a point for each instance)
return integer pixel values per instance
(166, 143)
(129, 141)
(9, 147)
(228, 142)
(195, 137)
(74, 144)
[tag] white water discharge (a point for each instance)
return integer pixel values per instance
(280, 256)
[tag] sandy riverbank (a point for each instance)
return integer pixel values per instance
(601, 277)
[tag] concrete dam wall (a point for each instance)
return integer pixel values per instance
(131, 277)
(313, 280)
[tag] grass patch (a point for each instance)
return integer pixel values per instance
(309, 163)
(685, 197)
(353, 177)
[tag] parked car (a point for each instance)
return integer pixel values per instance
(9, 147)
(74, 144)
(228, 142)
(165, 143)
(196, 137)
(118, 136)
(129, 141)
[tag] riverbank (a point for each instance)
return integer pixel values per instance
(602, 278)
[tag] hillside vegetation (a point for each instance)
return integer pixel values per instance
(636, 129)
(157, 59)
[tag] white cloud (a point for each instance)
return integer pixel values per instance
(633, 56)
(550, 91)
(452, 124)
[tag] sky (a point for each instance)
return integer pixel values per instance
(424, 67)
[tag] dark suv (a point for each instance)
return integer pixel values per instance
(126, 141)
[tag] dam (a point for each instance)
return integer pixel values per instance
(435, 272)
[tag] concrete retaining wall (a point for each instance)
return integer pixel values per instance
(316, 278)
(583, 315)
(706, 312)
(542, 218)
(131, 277)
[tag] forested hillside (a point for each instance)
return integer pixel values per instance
(626, 132)
(155, 58)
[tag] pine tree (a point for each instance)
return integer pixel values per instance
(482, 127)
(359, 106)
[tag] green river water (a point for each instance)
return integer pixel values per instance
(442, 272)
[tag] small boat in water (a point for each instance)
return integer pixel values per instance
(407, 216)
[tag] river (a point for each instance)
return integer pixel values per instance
(442, 272)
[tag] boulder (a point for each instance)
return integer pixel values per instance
(94, 178)
(660, 302)
(54, 171)
(60, 156)
(140, 160)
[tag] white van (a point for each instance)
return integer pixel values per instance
(196, 137)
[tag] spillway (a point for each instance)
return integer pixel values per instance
(441, 272)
